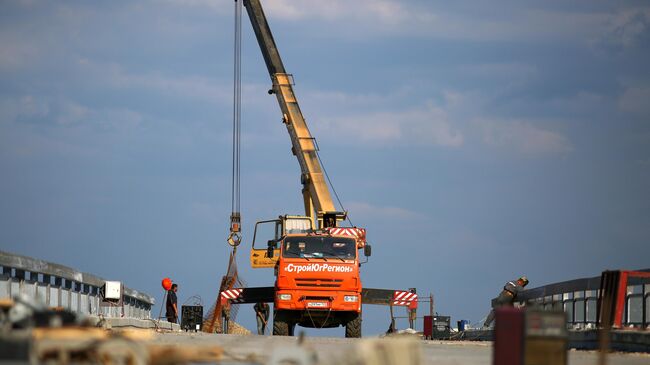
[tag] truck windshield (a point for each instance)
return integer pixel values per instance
(319, 247)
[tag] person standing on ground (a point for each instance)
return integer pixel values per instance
(225, 315)
(262, 316)
(172, 304)
(507, 297)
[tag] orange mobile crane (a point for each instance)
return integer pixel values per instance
(316, 262)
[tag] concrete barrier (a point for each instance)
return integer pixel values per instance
(620, 340)
(60, 286)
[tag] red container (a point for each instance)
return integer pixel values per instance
(509, 336)
(428, 327)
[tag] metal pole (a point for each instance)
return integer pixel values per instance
(392, 319)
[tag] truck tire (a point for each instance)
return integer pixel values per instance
(353, 328)
(280, 324)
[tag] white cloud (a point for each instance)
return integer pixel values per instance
(507, 71)
(15, 53)
(69, 114)
(381, 17)
(385, 11)
(582, 104)
(459, 119)
(423, 126)
(368, 210)
(522, 137)
(26, 106)
(216, 6)
(378, 18)
(204, 212)
(318, 98)
(635, 100)
(193, 87)
(625, 27)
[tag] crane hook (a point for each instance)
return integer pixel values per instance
(234, 239)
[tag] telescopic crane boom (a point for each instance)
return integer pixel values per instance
(319, 206)
(316, 264)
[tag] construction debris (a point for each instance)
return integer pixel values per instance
(31, 333)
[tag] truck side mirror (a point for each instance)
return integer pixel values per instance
(367, 250)
(270, 249)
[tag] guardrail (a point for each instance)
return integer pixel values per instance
(61, 286)
(579, 299)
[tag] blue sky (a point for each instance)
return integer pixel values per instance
(475, 142)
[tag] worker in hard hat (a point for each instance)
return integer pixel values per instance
(507, 297)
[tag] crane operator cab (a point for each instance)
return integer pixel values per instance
(295, 237)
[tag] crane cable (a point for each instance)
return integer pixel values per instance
(332, 186)
(234, 239)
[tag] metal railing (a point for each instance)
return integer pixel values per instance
(579, 299)
(60, 286)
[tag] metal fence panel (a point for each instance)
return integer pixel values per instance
(65, 298)
(94, 305)
(635, 309)
(84, 305)
(5, 287)
(568, 308)
(74, 301)
(28, 289)
(579, 313)
(592, 310)
(647, 310)
(54, 297)
(15, 287)
(41, 293)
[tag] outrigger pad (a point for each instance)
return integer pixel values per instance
(389, 297)
(250, 295)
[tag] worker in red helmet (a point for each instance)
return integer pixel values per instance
(507, 297)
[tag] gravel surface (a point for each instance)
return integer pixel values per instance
(330, 350)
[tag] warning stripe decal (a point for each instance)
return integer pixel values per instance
(231, 294)
(405, 298)
(350, 231)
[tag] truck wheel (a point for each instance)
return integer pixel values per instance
(280, 324)
(353, 328)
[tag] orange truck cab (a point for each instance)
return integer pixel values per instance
(317, 275)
